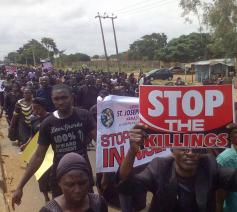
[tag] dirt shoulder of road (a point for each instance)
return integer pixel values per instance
(3, 187)
(14, 168)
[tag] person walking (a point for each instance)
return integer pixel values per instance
(66, 130)
(20, 122)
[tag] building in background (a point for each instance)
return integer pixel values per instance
(212, 69)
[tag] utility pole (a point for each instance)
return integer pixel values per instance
(33, 54)
(115, 39)
(235, 75)
(102, 32)
(48, 54)
(235, 65)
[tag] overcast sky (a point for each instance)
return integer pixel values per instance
(72, 23)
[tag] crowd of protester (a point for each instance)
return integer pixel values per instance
(46, 101)
(19, 89)
(26, 100)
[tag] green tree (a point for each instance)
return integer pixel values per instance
(145, 47)
(222, 19)
(187, 48)
(72, 58)
(30, 51)
(220, 16)
(96, 56)
(78, 57)
(13, 57)
(192, 7)
(50, 45)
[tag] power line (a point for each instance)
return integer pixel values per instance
(154, 6)
(142, 10)
(132, 5)
(136, 4)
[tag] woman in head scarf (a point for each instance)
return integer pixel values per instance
(73, 179)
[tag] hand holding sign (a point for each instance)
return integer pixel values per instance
(114, 139)
(136, 137)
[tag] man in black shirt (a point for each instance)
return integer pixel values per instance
(66, 130)
(87, 94)
(186, 195)
(45, 91)
(185, 182)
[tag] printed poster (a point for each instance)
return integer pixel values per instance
(116, 115)
(30, 150)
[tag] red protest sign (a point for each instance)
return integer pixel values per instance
(11, 69)
(188, 116)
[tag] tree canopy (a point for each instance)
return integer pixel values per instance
(220, 17)
(73, 58)
(47, 48)
(50, 45)
(145, 47)
(32, 49)
(187, 48)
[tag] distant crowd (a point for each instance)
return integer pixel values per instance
(84, 83)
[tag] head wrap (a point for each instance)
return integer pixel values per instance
(69, 162)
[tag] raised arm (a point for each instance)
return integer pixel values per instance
(137, 135)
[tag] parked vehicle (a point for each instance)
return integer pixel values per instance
(163, 74)
(177, 70)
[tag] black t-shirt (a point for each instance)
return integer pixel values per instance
(46, 94)
(96, 204)
(186, 199)
(10, 102)
(87, 96)
(35, 123)
(66, 135)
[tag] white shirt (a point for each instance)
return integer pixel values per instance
(1, 86)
